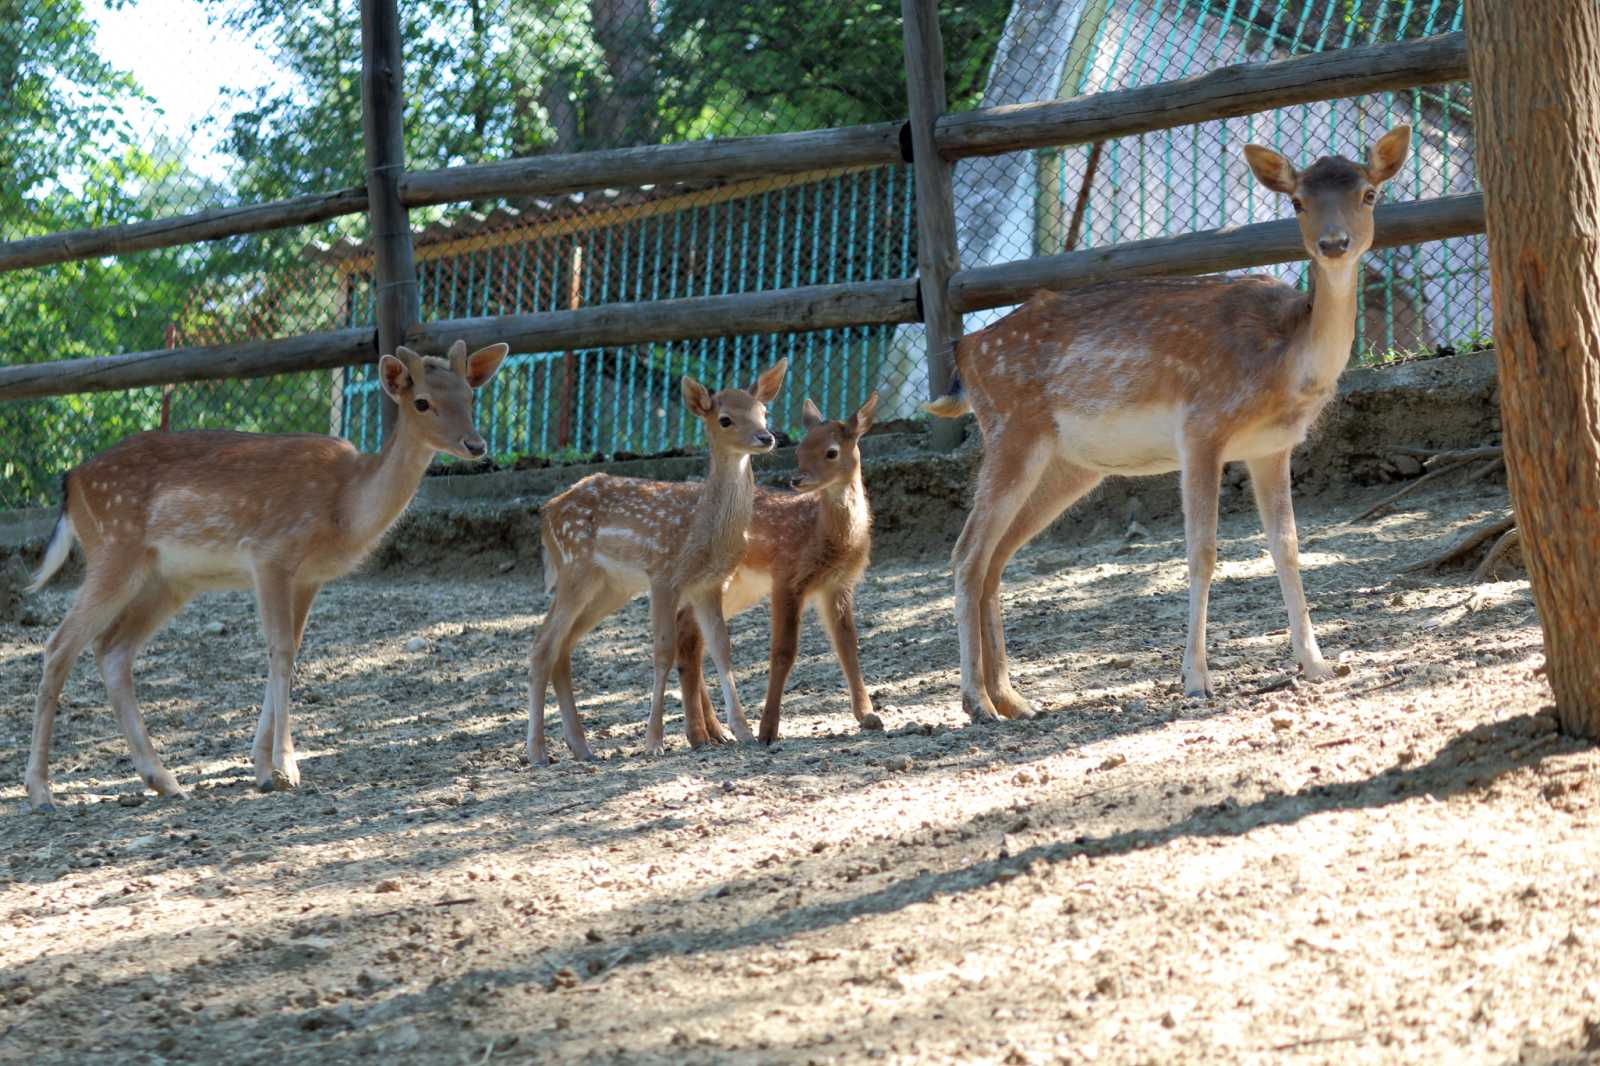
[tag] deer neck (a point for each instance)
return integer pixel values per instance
(390, 479)
(722, 518)
(842, 518)
(1330, 329)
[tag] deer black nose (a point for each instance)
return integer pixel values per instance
(475, 446)
(765, 439)
(1333, 245)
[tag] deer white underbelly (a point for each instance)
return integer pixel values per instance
(746, 588)
(1138, 440)
(216, 565)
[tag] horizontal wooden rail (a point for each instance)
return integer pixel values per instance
(723, 159)
(1228, 92)
(1205, 252)
(859, 303)
(862, 303)
(170, 366)
(183, 229)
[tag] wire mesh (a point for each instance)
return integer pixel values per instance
(1414, 299)
(124, 111)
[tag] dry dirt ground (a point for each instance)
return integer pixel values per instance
(1401, 865)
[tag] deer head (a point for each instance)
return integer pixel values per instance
(1333, 198)
(736, 419)
(830, 455)
(435, 395)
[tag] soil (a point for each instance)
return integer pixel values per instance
(1399, 865)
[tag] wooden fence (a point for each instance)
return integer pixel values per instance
(930, 140)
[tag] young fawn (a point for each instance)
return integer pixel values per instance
(162, 516)
(607, 539)
(806, 548)
(1142, 377)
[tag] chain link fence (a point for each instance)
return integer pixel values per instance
(1415, 299)
(126, 111)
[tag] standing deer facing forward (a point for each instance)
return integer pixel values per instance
(1144, 377)
(607, 539)
(806, 548)
(163, 516)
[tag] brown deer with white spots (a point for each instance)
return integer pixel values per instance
(806, 548)
(1143, 377)
(163, 516)
(607, 539)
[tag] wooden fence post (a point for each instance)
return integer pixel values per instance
(394, 270)
(937, 256)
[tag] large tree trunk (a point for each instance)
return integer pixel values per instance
(1536, 105)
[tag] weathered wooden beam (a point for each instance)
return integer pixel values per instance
(136, 370)
(1230, 91)
(723, 159)
(184, 229)
(1204, 253)
(859, 303)
(937, 255)
(1243, 89)
(383, 105)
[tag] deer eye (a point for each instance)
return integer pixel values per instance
(724, 421)
(833, 453)
(1299, 207)
(421, 405)
(1369, 197)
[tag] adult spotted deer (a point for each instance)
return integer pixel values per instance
(806, 548)
(607, 539)
(1142, 377)
(162, 516)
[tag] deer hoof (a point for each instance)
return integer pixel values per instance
(871, 723)
(284, 781)
(1319, 670)
(44, 807)
(980, 710)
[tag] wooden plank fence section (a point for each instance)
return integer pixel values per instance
(1230, 91)
(724, 159)
(1206, 252)
(170, 366)
(937, 255)
(865, 303)
(861, 303)
(212, 225)
(1227, 92)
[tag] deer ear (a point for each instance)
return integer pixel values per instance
(393, 375)
(861, 421)
(1385, 157)
(481, 364)
(766, 386)
(1271, 169)
(696, 397)
(810, 417)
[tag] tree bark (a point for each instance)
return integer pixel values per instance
(1536, 105)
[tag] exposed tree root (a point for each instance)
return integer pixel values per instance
(1486, 569)
(1437, 465)
(1461, 549)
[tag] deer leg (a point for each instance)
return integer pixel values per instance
(603, 600)
(1061, 485)
(700, 724)
(837, 608)
(664, 634)
(542, 655)
(1269, 478)
(1201, 484)
(1005, 482)
(115, 651)
(786, 607)
(276, 769)
(261, 747)
(708, 612)
(106, 589)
